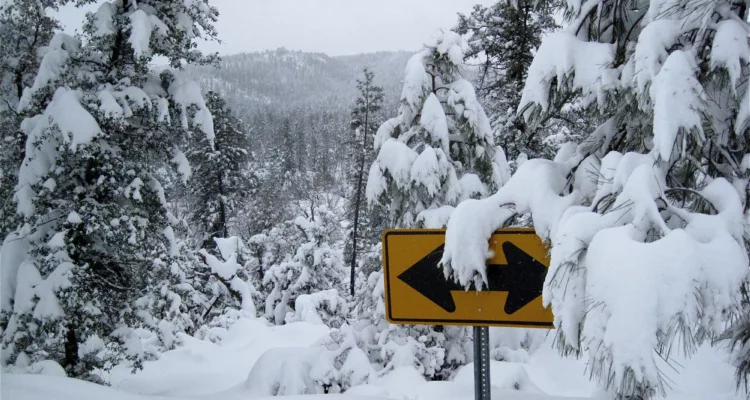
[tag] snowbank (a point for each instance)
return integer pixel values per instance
(240, 368)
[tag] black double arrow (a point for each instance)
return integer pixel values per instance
(523, 278)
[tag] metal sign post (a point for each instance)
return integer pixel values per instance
(418, 293)
(481, 363)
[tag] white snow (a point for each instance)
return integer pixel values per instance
(376, 184)
(103, 22)
(426, 171)
(228, 270)
(433, 121)
(140, 33)
(109, 105)
(174, 249)
(162, 106)
(500, 168)
(651, 50)
(306, 306)
(434, 218)
(158, 26)
(416, 84)
(385, 131)
(183, 165)
(464, 101)
(52, 66)
(12, 252)
(677, 101)
(225, 269)
(396, 158)
(133, 190)
(730, 48)
(57, 240)
(451, 44)
(562, 55)
(229, 246)
(472, 186)
(185, 93)
(255, 360)
(535, 188)
(640, 288)
(74, 218)
(77, 127)
(75, 123)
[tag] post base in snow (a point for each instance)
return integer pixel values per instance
(481, 363)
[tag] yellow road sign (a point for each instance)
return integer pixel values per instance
(416, 291)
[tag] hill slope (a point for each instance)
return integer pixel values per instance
(293, 79)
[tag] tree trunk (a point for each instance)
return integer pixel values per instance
(222, 228)
(357, 202)
(71, 349)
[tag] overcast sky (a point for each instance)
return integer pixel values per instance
(334, 27)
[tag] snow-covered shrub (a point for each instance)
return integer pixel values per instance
(283, 372)
(390, 346)
(314, 267)
(229, 283)
(325, 307)
(342, 362)
(215, 330)
(646, 217)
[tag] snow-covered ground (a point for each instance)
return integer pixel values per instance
(231, 370)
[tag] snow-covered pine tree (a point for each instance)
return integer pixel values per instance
(25, 28)
(738, 336)
(219, 175)
(365, 228)
(316, 266)
(646, 217)
(94, 265)
(439, 150)
(503, 37)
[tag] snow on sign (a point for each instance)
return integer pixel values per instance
(417, 292)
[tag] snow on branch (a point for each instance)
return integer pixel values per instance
(535, 188)
(677, 102)
(186, 93)
(562, 56)
(620, 277)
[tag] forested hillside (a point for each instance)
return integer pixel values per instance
(311, 92)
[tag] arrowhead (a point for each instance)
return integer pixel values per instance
(425, 278)
(525, 278)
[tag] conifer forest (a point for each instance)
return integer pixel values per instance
(186, 223)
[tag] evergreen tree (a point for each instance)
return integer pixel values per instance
(220, 179)
(665, 173)
(364, 230)
(439, 150)
(738, 336)
(504, 36)
(99, 255)
(25, 29)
